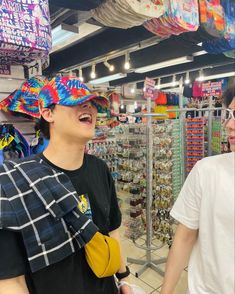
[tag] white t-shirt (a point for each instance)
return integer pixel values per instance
(206, 202)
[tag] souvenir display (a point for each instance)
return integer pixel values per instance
(106, 150)
(177, 158)
(180, 17)
(212, 17)
(225, 21)
(131, 152)
(25, 32)
(166, 176)
(195, 129)
(126, 14)
(216, 136)
(13, 145)
(167, 180)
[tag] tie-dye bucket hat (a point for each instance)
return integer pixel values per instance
(69, 91)
(6, 102)
(25, 99)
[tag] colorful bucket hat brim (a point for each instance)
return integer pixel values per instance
(25, 99)
(70, 91)
(5, 103)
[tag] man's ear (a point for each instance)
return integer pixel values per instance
(47, 114)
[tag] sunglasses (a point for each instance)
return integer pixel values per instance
(229, 114)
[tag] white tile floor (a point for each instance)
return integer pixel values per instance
(150, 280)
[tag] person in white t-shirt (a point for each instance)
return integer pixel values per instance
(204, 238)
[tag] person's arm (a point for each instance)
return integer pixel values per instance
(14, 286)
(178, 257)
(125, 288)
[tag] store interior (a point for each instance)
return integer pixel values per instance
(164, 71)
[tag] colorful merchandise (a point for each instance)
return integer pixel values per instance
(25, 33)
(163, 179)
(12, 143)
(160, 98)
(180, 17)
(197, 89)
(216, 135)
(161, 109)
(126, 14)
(194, 141)
(172, 114)
(212, 17)
(226, 42)
(177, 158)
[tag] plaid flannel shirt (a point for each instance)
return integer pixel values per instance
(42, 203)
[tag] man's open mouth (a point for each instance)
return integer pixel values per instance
(85, 118)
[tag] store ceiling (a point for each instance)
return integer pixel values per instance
(145, 48)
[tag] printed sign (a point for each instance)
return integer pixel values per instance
(149, 85)
(212, 88)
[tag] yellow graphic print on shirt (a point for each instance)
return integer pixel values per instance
(84, 205)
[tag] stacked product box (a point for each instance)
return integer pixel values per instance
(177, 155)
(194, 141)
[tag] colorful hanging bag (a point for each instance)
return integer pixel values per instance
(25, 31)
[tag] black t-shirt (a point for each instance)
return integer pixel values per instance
(71, 275)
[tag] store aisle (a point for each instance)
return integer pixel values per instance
(150, 281)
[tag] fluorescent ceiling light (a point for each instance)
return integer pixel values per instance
(62, 32)
(164, 64)
(85, 30)
(107, 79)
(167, 85)
(219, 76)
(200, 53)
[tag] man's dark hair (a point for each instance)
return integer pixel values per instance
(44, 126)
(229, 95)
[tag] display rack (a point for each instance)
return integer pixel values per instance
(149, 262)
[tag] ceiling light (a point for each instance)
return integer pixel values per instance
(132, 90)
(164, 64)
(109, 66)
(187, 79)
(63, 32)
(108, 78)
(174, 81)
(219, 76)
(158, 84)
(201, 76)
(167, 85)
(81, 75)
(127, 61)
(93, 73)
(200, 53)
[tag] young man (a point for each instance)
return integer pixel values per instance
(205, 212)
(42, 235)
